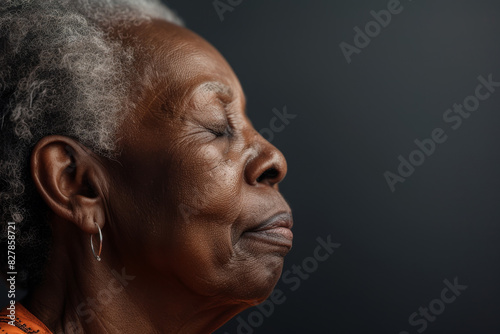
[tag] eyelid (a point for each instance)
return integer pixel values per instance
(228, 131)
(228, 120)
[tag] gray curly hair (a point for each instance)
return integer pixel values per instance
(60, 73)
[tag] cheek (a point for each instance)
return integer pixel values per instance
(208, 202)
(210, 157)
(208, 185)
(179, 209)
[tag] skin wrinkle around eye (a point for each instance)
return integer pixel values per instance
(220, 106)
(217, 100)
(162, 106)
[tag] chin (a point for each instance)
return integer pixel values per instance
(256, 285)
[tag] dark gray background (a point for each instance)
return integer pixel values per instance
(353, 121)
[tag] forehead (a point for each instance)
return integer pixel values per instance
(175, 60)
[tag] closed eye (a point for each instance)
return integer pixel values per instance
(227, 132)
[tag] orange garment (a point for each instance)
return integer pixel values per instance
(25, 322)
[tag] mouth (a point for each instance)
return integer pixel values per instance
(276, 230)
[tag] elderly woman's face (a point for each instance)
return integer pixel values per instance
(195, 182)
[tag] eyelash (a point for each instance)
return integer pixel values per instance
(228, 132)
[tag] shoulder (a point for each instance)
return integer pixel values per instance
(16, 319)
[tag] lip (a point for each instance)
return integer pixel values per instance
(275, 230)
(283, 219)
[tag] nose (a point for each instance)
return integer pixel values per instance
(267, 165)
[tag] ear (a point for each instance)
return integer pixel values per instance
(71, 180)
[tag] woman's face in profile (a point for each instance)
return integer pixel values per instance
(195, 182)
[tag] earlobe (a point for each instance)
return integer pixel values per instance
(67, 177)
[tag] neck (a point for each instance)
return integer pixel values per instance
(80, 294)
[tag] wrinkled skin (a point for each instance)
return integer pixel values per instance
(177, 207)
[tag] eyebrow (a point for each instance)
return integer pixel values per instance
(207, 86)
(216, 87)
(220, 88)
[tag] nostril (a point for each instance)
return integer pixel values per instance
(270, 173)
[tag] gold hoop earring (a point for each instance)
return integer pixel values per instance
(98, 256)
